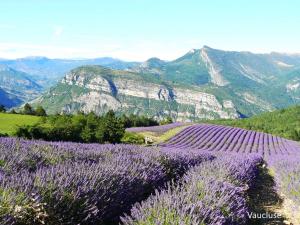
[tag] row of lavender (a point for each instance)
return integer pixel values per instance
(230, 139)
(286, 170)
(156, 129)
(212, 193)
(67, 183)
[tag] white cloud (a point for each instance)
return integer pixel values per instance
(57, 31)
(143, 50)
(19, 50)
(138, 51)
(92, 47)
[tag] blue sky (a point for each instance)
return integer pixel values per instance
(139, 29)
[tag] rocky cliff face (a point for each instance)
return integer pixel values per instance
(97, 91)
(213, 69)
(293, 88)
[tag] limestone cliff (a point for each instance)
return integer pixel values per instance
(98, 89)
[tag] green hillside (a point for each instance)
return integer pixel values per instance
(284, 123)
(9, 122)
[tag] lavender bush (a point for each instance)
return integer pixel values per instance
(211, 194)
(287, 175)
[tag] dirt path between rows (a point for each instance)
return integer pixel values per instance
(265, 201)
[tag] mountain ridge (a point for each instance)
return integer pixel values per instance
(90, 89)
(48, 72)
(18, 86)
(204, 83)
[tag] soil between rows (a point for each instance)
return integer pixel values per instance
(264, 200)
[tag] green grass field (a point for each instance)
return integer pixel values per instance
(9, 122)
(165, 136)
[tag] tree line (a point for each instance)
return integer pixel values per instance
(85, 128)
(27, 110)
(88, 128)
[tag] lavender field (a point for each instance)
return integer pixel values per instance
(206, 175)
(219, 138)
(156, 129)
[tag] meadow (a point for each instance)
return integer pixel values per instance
(10, 122)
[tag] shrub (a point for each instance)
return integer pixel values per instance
(13, 111)
(3, 135)
(2, 109)
(133, 138)
(23, 131)
(137, 121)
(28, 110)
(40, 111)
(167, 120)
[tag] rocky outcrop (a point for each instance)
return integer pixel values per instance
(213, 69)
(99, 93)
(293, 89)
(253, 99)
(294, 85)
(93, 101)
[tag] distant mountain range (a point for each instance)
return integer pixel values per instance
(48, 71)
(17, 86)
(205, 83)
(8, 100)
(26, 78)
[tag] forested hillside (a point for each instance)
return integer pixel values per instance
(284, 123)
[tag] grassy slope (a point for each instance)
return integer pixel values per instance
(165, 136)
(284, 123)
(9, 122)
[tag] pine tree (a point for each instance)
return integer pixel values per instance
(2, 109)
(40, 111)
(28, 110)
